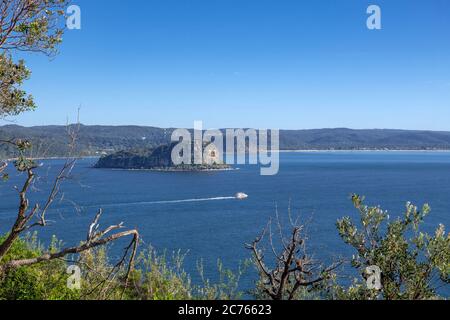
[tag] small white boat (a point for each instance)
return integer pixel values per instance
(241, 196)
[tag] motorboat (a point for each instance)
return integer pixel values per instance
(241, 196)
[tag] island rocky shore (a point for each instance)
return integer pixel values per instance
(158, 159)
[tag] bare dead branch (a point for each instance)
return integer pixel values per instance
(79, 249)
(293, 267)
(3, 166)
(21, 219)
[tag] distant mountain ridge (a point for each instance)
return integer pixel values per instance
(52, 141)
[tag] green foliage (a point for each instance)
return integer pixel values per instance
(100, 280)
(227, 287)
(44, 281)
(411, 261)
(23, 163)
(156, 277)
(160, 278)
(13, 100)
(33, 25)
(26, 26)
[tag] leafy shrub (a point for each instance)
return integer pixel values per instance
(156, 277)
(413, 263)
(43, 281)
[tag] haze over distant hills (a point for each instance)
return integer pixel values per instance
(52, 141)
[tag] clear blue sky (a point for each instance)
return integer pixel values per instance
(249, 63)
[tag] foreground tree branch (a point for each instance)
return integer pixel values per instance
(3, 166)
(94, 240)
(22, 217)
(95, 236)
(293, 267)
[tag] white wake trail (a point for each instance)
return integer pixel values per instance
(123, 204)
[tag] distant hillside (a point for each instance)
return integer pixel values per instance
(51, 141)
(347, 139)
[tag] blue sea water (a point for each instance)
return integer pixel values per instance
(196, 212)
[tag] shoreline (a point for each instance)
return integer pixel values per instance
(52, 158)
(279, 151)
(367, 150)
(171, 170)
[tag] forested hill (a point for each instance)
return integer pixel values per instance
(52, 141)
